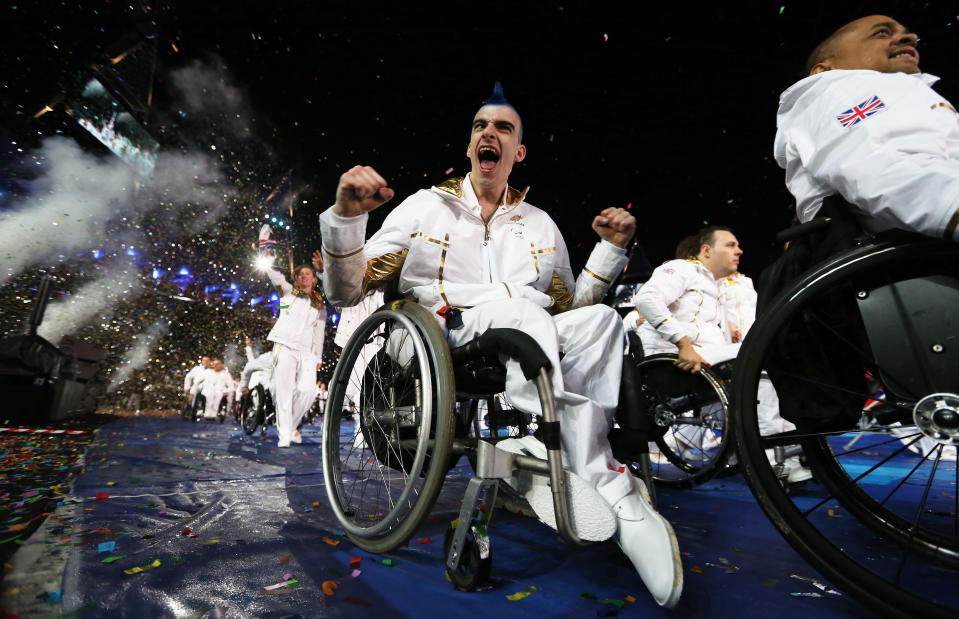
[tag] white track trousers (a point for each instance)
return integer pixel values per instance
(591, 340)
(296, 369)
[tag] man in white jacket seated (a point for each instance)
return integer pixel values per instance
(215, 383)
(681, 302)
(192, 376)
(866, 124)
(257, 371)
(476, 245)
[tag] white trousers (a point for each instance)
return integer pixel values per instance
(585, 383)
(213, 397)
(294, 387)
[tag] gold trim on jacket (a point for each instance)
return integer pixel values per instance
(454, 186)
(382, 269)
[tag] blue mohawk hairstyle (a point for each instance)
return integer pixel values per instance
(497, 97)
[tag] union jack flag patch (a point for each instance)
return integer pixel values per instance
(266, 244)
(858, 113)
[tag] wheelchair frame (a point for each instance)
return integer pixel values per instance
(432, 401)
(856, 279)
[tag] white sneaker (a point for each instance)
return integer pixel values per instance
(358, 441)
(590, 515)
(296, 438)
(283, 444)
(680, 447)
(650, 543)
(795, 472)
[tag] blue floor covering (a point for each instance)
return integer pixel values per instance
(200, 520)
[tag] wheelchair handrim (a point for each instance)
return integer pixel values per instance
(338, 383)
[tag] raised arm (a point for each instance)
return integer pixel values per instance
(615, 227)
(343, 229)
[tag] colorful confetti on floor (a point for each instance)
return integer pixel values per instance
(170, 518)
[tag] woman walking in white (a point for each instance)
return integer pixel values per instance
(297, 340)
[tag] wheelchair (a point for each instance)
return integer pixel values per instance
(417, 411)
(863, 351)
(195, 410)
(257, 410)
(221, 409)
(691, 424)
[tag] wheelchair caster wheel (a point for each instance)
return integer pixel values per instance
(476, 558)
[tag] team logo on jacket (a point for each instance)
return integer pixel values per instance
(858, 113)
(517, 226)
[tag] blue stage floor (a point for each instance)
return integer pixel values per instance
(201, 520)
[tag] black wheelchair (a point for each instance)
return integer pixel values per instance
(688, 418)
(864, 353)
(196, 408)
(194, 411)
(417, 411)
(257, 410)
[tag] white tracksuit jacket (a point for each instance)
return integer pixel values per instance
(898, 164)
(509, 272)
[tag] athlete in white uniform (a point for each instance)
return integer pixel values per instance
(214, 383)
(684, 314)
(297, 340)
(475, 243)
(192, 376)
(737, 298)
(866, 124)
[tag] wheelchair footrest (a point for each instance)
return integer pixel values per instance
(592, 519)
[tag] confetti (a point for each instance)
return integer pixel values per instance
(519, 595)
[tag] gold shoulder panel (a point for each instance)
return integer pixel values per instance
(515, 196)
(382, 269)
(560, 293)
(452, 186)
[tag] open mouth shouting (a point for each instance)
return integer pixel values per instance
(488, 157)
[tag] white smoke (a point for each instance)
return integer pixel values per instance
(204, 87)
(139, 355)
(233, 360)
(62, 318)
(80, 201)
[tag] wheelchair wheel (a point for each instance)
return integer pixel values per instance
(476, 561)
(199, 405)
(855, 352)
(221, 409)
(383, 477)
(691, 421)
(251, 411)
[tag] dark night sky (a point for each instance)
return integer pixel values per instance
(671, 110)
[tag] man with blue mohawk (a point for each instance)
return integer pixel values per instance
(475, 244)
